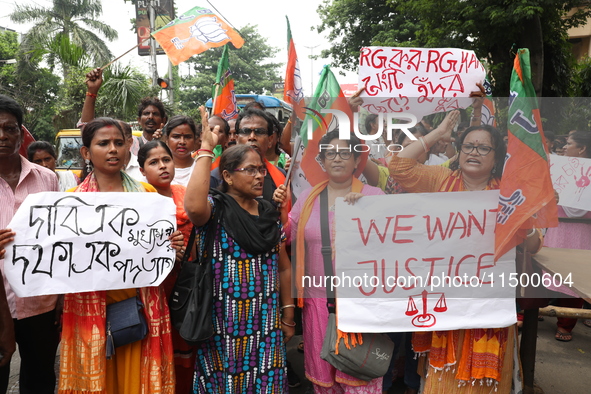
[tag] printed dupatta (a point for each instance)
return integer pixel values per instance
(482, 350)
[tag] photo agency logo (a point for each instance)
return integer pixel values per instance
(371, 141)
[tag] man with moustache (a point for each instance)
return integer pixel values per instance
(255, 127)
(34, 320)
(151, 117)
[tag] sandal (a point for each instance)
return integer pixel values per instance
(587, 322)
(301, 347)
(563, 336)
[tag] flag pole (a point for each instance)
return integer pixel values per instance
(117, 58)
(215, 99)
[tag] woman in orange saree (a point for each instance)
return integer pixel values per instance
(472, 360)
(144, 366)
(157, 165)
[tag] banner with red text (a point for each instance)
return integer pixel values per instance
(421, 262)
(421, 81)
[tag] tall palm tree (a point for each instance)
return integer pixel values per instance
(73, 20)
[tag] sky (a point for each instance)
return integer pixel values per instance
(269, 15)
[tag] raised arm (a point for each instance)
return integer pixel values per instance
(94, 80)
(441, 132)
(478, 96)
(285, 142)
(196, 204)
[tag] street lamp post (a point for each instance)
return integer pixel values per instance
(312, 68)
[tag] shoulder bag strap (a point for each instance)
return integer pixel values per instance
(326, 248)
(210, 236)
(208, 239)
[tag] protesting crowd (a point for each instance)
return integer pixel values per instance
(235, 214)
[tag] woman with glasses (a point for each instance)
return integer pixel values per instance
(340, 161)
(252, 308)
(478, 166)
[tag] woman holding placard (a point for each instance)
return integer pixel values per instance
(139, 367)
(157, 166)
(478, 166)
(573, 232)
(340, 163)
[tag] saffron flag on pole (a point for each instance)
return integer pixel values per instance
(293, 92)
(328, 95)
(224, 99)
(194, 32)
(526, 197)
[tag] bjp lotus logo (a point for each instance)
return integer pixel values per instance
(207, 29)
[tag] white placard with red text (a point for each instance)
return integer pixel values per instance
(420, 81)
(571, 178)
(432, 258)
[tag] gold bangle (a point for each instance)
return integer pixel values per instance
(287, 306)
(288, 325)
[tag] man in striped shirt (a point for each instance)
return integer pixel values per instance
(34, 319)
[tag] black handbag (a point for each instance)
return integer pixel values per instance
(191, 301)
(367, 360)
(126, 323)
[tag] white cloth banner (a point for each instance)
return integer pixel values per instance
(421, 262)
(571, 179)
(420, 81)
(77, 242)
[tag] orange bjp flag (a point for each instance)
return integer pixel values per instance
(293, 92)
(526, 197)
(328, 95)
(224, 98)
(194, 32)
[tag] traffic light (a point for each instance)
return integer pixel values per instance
(164, 83)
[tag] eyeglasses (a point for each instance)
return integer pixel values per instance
(252, 171)
(332, 154)
(257, 131)
(482, 150)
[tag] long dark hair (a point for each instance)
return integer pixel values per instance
(177, 121)
(40, 145)
(90, 129)
(144, 152)
(500, 150)
(231, 159)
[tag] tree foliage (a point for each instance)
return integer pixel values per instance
(34, 87)
(494, 29)
(251, 69)
(353, 24)
(66, 22)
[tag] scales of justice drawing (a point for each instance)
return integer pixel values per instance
(425, 319)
